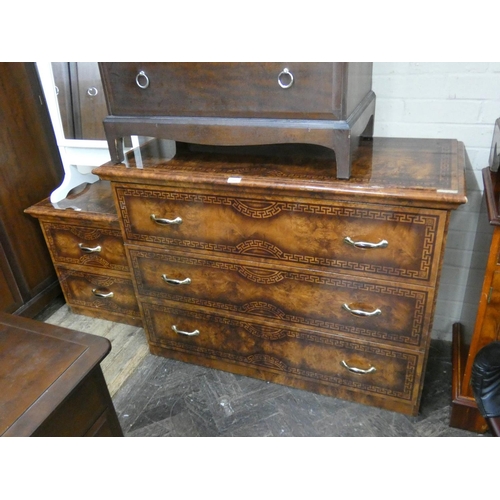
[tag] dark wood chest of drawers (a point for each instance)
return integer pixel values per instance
(267, 265)
(326, 103)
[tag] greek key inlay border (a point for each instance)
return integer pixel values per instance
(273, 362)
(98, 281)
(260, 248)
(87, 234)
(264, 309)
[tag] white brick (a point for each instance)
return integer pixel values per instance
(407, 87)
(474, 86)
(490, 111)
(444, 111)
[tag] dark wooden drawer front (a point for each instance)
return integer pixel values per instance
(88, 246)
(391, 372)
(93, 290)
(397, 314)
(225, 89)
(310, 234)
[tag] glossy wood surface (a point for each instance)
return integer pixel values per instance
(30, 168)
(50, 380)
(416, 172)
(287, 229)
(319, 90)
(85, 241)
(309, 359)
(245, 254)
(327, 104)
(289, 296)
(103, 292)
(465, 414)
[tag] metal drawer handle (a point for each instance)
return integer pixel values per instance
(166, 222)
(358, 370)
(92, 91)
(85, 249)
(171, 281)
(103, 295)
(360, 312)
(287, 82)
(364, 244)
(188, 334)
(142, 80)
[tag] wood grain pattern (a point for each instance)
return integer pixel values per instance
(88, 219)
(51, 383)
(289, 232)
(263, 273)
(328, 104)
(288, 296)
(465, 414)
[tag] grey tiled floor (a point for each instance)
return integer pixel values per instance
(169, 398)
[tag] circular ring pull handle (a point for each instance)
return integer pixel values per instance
(285, 79)
(360, 312)
(92, 91)
(358, 370)
(142, 80)
(188, 334)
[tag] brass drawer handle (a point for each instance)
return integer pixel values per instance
(104, 295)
(171, 281)
(360, 312)
(187, 334)
(142, 80)
(166, 222)
(85, 249)
(285, 79)
(358, 370)
(365, 244)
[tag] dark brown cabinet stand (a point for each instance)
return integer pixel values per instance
(465, 414)
(51, 382)
(235, 104)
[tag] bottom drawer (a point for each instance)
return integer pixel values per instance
(100, 292)
(328, 364)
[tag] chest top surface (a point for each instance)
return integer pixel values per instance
(385, 170)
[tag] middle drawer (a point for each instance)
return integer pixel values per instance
(378, 310)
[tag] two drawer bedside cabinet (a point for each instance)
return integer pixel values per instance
(86, 245)
(234, 104)
(263, 263)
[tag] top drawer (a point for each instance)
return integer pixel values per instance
(88, 246)
(404, 240)
(263, 90)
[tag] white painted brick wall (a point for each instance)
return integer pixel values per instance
(446, 100)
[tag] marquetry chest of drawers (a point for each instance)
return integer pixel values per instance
(86, 246)
(267, 265)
